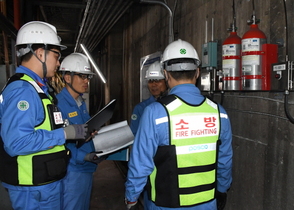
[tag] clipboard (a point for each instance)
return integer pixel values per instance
(101, 117)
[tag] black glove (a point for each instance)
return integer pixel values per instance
(221, 199)
(92, 157)
(76, 131)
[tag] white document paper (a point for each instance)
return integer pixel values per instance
(112, 138)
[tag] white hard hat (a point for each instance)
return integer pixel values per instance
(177, 50)
(37, 32)
(154, 71)
(76, 62)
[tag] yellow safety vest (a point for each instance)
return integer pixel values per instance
(185, 170)
(38, 168)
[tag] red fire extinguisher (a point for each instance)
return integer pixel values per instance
(232, 61)
(257, 59)
(252, 42)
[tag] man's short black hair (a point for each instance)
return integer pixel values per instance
(178, 75)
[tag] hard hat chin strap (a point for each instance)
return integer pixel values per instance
(70, 84)
(44, 68)
(43, 63)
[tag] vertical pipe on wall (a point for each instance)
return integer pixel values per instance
(290, 69)
(212, 29)
(206, 28)
(16, 14)
(107, 85)
(5, 41)
(3, 7)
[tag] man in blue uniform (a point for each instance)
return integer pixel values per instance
(33, 157)
(157, 88)
(76, 74)
(182, 153)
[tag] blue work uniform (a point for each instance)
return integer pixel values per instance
(137, 113)
(153, 131)
(21, 109)
(78, 181)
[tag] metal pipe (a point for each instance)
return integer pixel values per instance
(234, 28)
(100, 22)
(83, 23)
(206, 31)
(108, 11)
(212, 29)
(5, 41)
(3, 7)
(104, 20)
(93, 21)
(170, 31)
(90, 26)
(110, 24)
(16, 13)
(289, 116)
(286, 30)
(290, 71)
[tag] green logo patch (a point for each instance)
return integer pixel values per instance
(23, 105)
(183, 51)
(134, 117)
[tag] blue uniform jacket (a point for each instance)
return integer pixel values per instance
(153, 131)
(76, 115)
(137, 113)
(18, 121)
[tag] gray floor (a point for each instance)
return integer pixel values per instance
(108, 188)
(4, 199)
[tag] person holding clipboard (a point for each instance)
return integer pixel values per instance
(76, 74)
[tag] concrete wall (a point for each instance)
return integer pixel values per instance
(262, 134)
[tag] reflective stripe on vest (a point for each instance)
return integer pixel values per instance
(25, 172)
(194, 134)
(30, 168)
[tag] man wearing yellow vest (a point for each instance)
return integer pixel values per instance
(182, 153)
(33, 157)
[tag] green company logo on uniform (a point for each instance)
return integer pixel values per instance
(23, 105)
(183, 51)
(134, 117)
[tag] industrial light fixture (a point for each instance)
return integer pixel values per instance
(93, 63)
